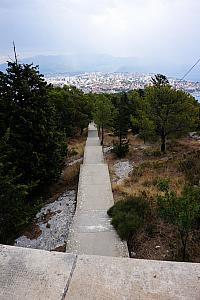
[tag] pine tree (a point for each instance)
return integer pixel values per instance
(103, 111)
(121, 122)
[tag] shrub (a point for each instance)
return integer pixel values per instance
(162, 184)
(183, 211)
(128, 216)
(191, 167)
(152, 153)
(120, 150)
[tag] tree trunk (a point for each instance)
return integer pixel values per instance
(120, 139)
(102, 134)
(163, 143)
(184, 238)
(81, 131)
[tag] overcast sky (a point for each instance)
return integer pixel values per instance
(162, 30)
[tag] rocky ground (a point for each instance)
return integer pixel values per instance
(49, 230)
(52, 224)
(122, 170)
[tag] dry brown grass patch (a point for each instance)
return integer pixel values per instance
(68, 180)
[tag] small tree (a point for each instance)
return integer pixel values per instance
(103, 111)
(145, 125)
(183, 211)
(174, 113)
(159, 80)
(121, 122)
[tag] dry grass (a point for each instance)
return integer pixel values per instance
(70, 174)
(149, 169)
(76, 147)
(68, 180)
(145, 177)
(157, 239)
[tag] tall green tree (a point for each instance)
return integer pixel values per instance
(173, 112)
(32, 146)
(159, 80)
(74, 109)
(121, 123)
(103, 111)
(140, 117)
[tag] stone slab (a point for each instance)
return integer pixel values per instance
(93, 155)
(93, 141)
(94, 174)
(104, 243)
(28, 274)
(106, 278)
(94, 197)
(94, 190)
(92, 221)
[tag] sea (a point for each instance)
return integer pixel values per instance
(197, 97)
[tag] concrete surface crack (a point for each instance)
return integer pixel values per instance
(70, 277)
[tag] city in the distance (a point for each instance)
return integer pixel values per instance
(99, 82)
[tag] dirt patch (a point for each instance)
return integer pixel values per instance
(33, 232)
(60, 248)
(45, 218)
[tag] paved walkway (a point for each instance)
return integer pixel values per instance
(91, 232)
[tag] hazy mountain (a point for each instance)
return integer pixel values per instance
(103, 63)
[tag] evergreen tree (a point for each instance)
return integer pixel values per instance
(121, 121)
(103, 111)
(32, 147)
(74, 110)
(173, 112)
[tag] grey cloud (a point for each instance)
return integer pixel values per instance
(154, 30)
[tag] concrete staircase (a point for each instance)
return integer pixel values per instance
(91, 232)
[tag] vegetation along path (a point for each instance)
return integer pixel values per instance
(91, 232)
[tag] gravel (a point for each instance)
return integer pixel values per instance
(194, 135)
(107, 149)
(54, 232)
(122, 170)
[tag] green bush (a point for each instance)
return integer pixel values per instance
(183, 212)
(120, 150)
(128, 216)
(190, 165)
(162, 184)
(152, 153)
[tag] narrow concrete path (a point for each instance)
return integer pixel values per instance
(91, 232)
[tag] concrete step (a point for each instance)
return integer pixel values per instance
(93, 141)
(93, 155)
(105, 243)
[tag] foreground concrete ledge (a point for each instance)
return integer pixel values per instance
(97, 277)
(28, 274)
(39, 275)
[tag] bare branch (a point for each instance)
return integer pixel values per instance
(15, 53)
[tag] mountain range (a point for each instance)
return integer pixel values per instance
(73, 63)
